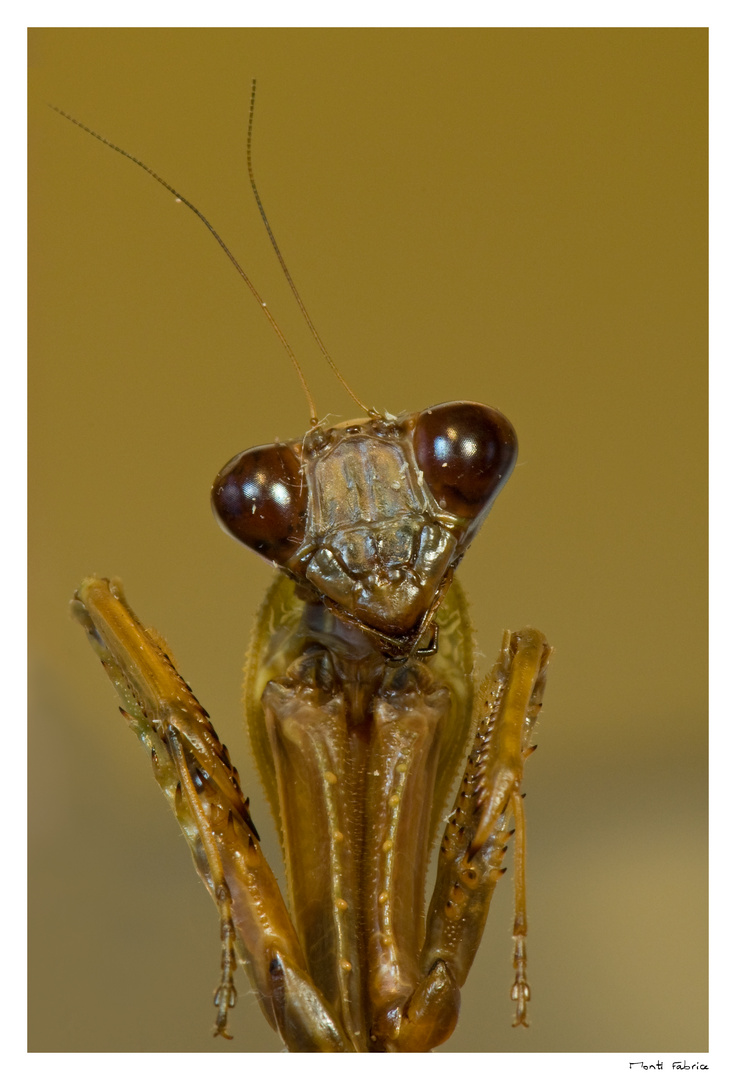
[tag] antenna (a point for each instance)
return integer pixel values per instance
(180, 198)
(284, 267)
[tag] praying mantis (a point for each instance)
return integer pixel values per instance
(362, 709)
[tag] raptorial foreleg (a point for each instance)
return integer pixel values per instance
(477, 832)
(194, 771)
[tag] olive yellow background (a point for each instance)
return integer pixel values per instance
(512, 216)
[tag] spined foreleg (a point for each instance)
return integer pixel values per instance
(405, 1001)
(305, 715)
(477, 831)
(201, 785)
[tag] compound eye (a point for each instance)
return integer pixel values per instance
(466, 452)
(260, 498)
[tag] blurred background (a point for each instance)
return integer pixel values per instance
(512, 216)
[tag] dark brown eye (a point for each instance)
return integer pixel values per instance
(260, 498)
(466, 452)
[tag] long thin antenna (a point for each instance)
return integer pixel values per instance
(287, 275)
(180, 198)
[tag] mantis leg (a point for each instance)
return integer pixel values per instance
(474, 842)
(194, 771)
(410, 1012)
(305, 714)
